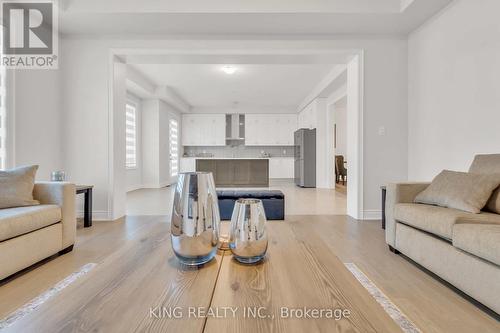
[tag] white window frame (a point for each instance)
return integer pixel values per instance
(174, 147)
(131, 106)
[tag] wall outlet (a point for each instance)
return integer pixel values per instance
(381, 130)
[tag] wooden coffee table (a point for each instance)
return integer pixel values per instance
(129, 289)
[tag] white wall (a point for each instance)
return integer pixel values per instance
(307, 118)
(156, 141)
(385, 157)
(150, 143)
(385, 101)
(134, 175)
(341, 122)
(84, 68)
(454, 80)
(34, 104)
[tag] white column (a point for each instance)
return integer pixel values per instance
(118, 176)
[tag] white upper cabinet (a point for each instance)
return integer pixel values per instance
(203, 129)
(270, 129)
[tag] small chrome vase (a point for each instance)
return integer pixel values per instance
(248, 240)
(195, 218)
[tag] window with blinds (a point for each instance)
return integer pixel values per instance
(174, 147)
(131, 136)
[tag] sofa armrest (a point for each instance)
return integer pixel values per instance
(62, 194)
(398, 193)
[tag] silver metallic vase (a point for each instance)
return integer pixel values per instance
(248, 240)
(195, 218)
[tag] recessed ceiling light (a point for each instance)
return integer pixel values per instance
(229, 69)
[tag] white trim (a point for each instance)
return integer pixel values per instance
(161, 185)
(355, 144)
(372, 214)
(361, 134)
(100, 215)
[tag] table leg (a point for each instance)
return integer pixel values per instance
(87, 214)
(384, 194)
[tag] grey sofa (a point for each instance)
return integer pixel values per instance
(30, 234)
(461, 248)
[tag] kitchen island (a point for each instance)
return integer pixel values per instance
(236, 172)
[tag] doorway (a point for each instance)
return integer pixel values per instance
(240, 55)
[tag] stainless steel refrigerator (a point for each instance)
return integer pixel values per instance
(305, 157)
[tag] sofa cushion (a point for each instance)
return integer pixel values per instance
(489, 164)
(460, 190)
(21, 220)
(436, 220)
(16, 187)
(482, 240)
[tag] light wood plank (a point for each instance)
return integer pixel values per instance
(117, 295)
(299, 271)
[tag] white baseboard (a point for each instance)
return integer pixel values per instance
(133, 188)
(372, 214)
(100, 215)
(165, 184)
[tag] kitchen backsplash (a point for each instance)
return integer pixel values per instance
(240, 151)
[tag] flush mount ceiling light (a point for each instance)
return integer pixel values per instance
(230, 70)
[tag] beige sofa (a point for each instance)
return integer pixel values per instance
(30, 234)
(460, 247)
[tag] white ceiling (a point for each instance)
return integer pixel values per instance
(240, 17)
(238, 6)
(260, 86)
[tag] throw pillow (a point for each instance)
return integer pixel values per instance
(459, 190)
(489, 164)
(493, 204)
(16, 187)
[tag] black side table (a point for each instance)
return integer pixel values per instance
(384, 194)
(87, 206)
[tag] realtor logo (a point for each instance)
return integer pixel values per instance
(29, 37)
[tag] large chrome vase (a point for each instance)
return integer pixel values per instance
(195, 218)
(248, 240)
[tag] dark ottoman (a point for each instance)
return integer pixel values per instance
(273, 202)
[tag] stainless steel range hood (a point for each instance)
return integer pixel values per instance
(235, 126)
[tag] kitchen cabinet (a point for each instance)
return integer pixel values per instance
(270, 129)
(203, 130)
(236, 172)
(281, 167)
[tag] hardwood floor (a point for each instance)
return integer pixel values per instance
(299, 271)
(432, 306)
